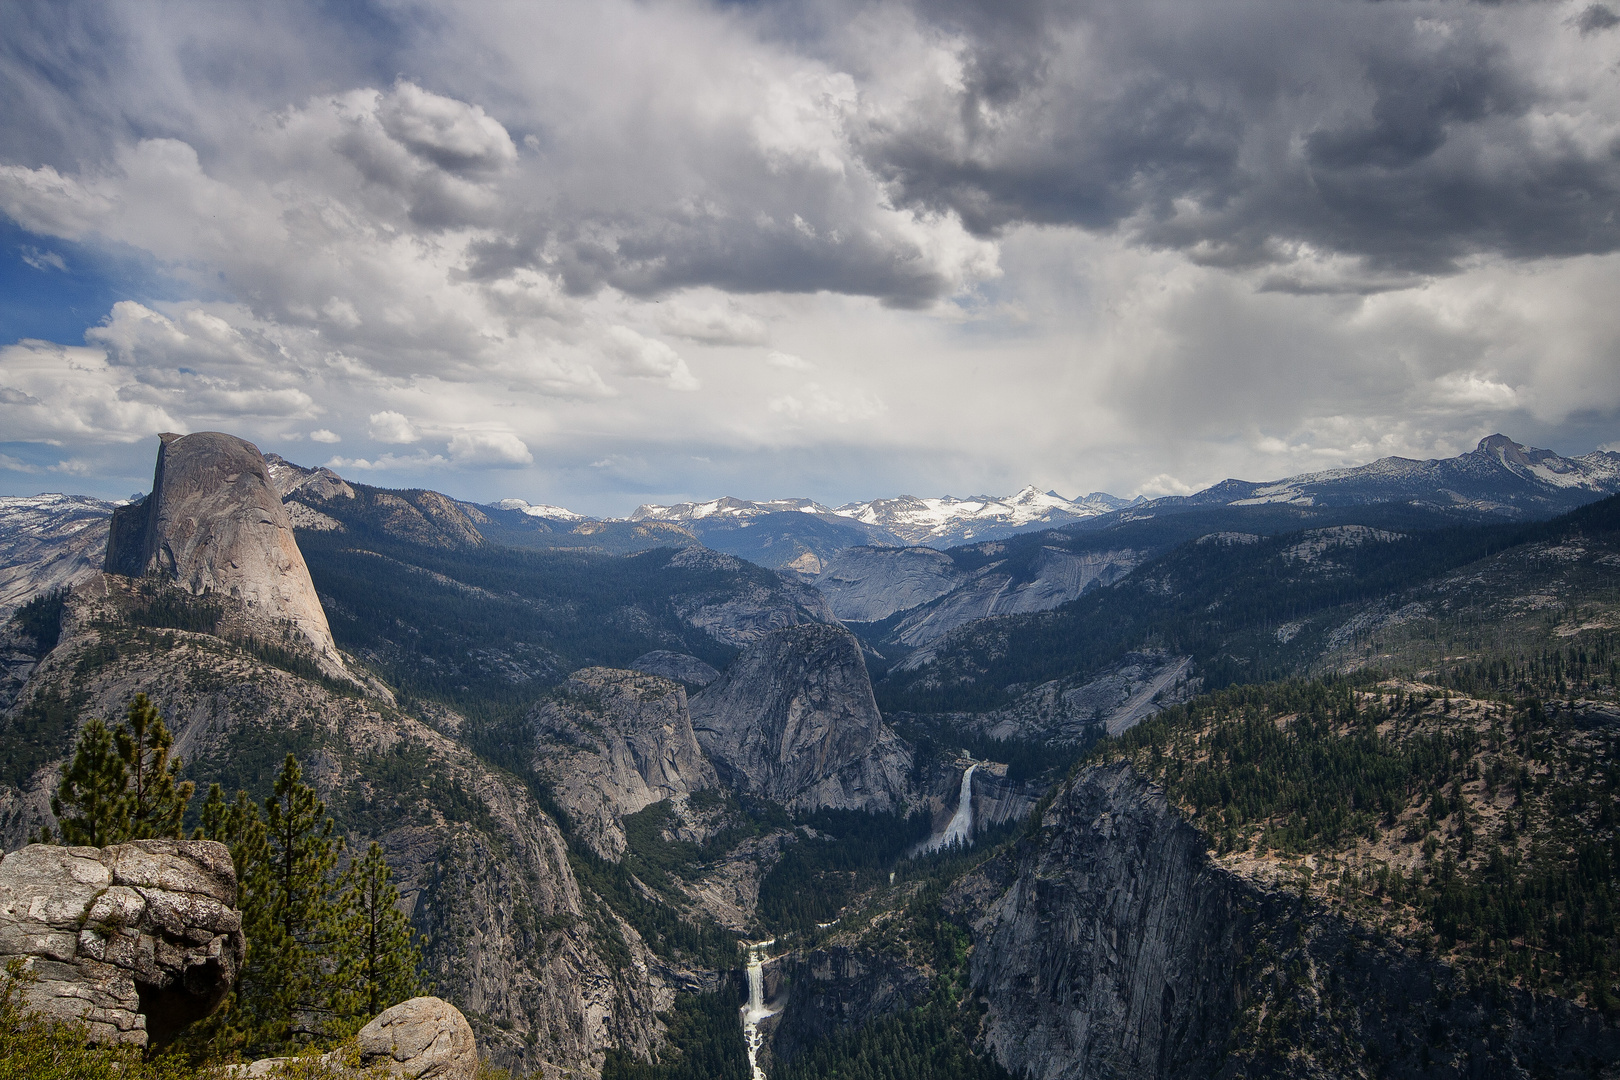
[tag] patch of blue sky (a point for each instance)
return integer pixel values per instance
(55, 290)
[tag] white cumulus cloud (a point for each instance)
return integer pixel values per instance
(498, 448)
(389, 426)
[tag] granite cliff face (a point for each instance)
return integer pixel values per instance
(1052, 576)
(868, 584)
(135, 940)
(614, 742)
(214, 524)
(793, 718)
(944, 590)
(1109, 945)
(1114, 950)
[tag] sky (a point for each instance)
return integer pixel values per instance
(602, 253)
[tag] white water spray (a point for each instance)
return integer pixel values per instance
(960, 828)
(755, 1010)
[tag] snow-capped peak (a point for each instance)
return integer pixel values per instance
(910, 519)
(725, 507)
(540, 510)
(950, 519)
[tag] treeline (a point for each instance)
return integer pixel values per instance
(1528, 894)
(1588, 665)
(850, 851)
(918, 1044)
(327, 947)
(705, 1042)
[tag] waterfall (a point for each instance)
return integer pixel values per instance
(960, 828)
(755, 1010)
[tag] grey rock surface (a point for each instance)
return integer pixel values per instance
(793, 718)
(318, 483)
(1109, 945)
(425, 1038)
(135, 940)
(1121, 696)
(674, 665)
(615, 742)
(740, 613)
(214, 523)
(509, 934)
(1113, 951)
(49, 541)
(1054, 577)
(868, 584)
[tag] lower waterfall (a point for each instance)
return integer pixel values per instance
(959, 830)
(755, 1010)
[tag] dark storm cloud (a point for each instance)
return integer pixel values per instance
(1405, 134)
(1595, 18)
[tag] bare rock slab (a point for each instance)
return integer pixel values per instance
(136, 941)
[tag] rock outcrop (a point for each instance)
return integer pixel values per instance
(1133, 688)
(136, 940)
(1053, 576)
(508, 931)
(740, 611)
(425, 1038)
(678, 666)
(793, 718)
(614, 742)
(214, 524)
(1109, 945)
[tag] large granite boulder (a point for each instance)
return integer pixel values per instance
(214, 523)
(425, 1038)
(793, 718)
(136, 941)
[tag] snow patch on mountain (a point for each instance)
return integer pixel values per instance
(910, 519)
(541, 510)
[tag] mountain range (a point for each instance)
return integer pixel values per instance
(1499, 478)
(1315, 785)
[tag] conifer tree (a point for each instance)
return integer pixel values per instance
(381, 962)
(238, 826)
(296, 913)
(157, 797)
(91, 804)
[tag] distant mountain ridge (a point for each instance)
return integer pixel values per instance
(1498, 477)
(907, 519)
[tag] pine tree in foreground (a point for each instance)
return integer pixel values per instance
(296, 915)
(381, 962)
(157, 795)
(91, 803)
